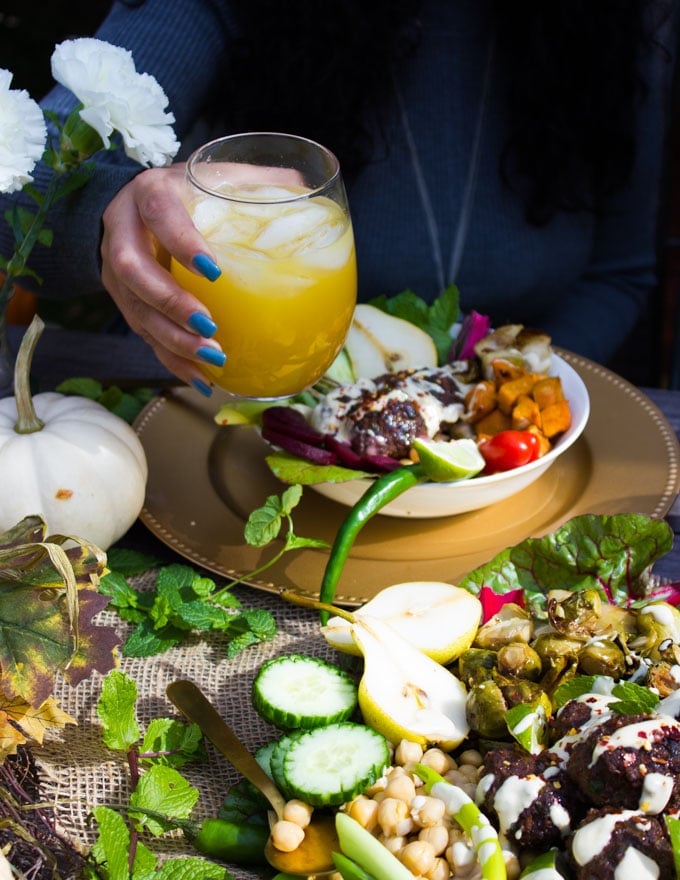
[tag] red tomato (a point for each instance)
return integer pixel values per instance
(509, 449)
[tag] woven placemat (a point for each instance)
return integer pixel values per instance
(78, 772)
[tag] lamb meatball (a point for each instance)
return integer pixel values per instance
(526, 799)
(610, 844)
(632, 761)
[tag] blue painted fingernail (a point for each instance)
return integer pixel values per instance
(211, 355)
(206, 266)
(203, 387)
(202, 324)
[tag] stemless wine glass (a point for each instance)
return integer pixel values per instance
(274, 211)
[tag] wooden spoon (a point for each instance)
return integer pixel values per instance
(313, 856)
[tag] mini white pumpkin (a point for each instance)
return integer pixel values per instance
(68, 459)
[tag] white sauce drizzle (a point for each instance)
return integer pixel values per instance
(514, 796)
(636, 866)
(641, 736)
(591, 839)
(657, 789)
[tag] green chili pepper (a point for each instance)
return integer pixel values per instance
(240, 844)
(384, 489)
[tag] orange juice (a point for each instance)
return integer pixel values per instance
(285, 299)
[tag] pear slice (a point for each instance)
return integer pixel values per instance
(378, 343)
(403, 693)
(439, 619)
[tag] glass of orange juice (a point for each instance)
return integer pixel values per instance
(274, 211)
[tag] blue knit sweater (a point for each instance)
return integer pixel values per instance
(431, 208)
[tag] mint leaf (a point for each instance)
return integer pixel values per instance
(191, 868)
(112, 844)
(572, 689)
(116, 709)
(129, 563)
(172, 743)
(145, 641)
(633, 699)
(264, 523)
(163, 790)
(610, 554)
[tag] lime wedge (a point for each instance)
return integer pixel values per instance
(449, 460)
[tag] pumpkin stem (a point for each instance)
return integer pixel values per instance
(27, 421)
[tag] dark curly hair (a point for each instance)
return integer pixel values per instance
(571, 69)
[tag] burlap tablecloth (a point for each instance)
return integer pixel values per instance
(78, 771)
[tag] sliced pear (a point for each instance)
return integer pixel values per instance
(439, 619)
(403, 693)
(378, 343)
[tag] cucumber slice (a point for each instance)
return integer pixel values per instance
(298, 691)
(276, 763)
(263, 756)
(328, 766)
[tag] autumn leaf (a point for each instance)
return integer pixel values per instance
(48, 601)
(35, 721)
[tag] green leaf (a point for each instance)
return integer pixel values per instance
(82, 387)
(116, 710)
(243, 804)
(191, 868)
(163, 790)
(610, 554)
(528, 724)
(172, 742)
(572, 689)
(112, 844)
(130, 562)
(435, 319)
(145, 641)
(633, 699)
(291, 469)
(673, 827)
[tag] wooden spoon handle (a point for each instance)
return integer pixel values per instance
(193, 703)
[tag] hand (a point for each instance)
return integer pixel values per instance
(144, 223)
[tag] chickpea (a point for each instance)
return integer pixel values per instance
(393, 844)
(470, 773)
(298, 812)
(460, 856)
(455, 777)
(287, 836)
(401, 787)
(408, 753)
(471, 757)
(439, 871)
(364, 810)
(427, 811)
(438, 760)
(394, 817)
(512, 865)
(418, 856)
(437, 835)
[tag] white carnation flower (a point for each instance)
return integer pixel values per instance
(117, 98)
(22, 135)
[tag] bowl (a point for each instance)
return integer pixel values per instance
(429, 500)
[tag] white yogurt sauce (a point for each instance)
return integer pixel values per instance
(657, 789)
(514, 796)
(641, 736)
(591, 839)
(636, 866)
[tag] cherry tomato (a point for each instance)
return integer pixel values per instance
(509, 449)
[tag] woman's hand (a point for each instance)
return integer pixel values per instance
(143, 224)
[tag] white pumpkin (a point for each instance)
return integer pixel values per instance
(83, 469)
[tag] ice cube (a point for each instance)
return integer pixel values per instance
(328, 248)
(208, 214)
(287, 233)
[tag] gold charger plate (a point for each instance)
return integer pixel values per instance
(204, 480)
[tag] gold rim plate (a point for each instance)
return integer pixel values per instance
(204, 480)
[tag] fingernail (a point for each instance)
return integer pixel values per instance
(206, 266)
(211, 355)
(202, 324)
(203, 387)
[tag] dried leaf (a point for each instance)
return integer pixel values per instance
(10, 737)
(33, 721)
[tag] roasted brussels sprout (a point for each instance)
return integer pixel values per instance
(602, 657)
(658, 632)
(584, 614)
(520, 660)
(476, 665)
(511, 624)
(486, 708)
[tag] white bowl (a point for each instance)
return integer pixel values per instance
(445, 499)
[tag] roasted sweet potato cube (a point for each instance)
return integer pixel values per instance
(555, 418)
(544, 444)
(510, 392)
(493, 423)
(547, 391)
(480, 400)
(525, 413)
